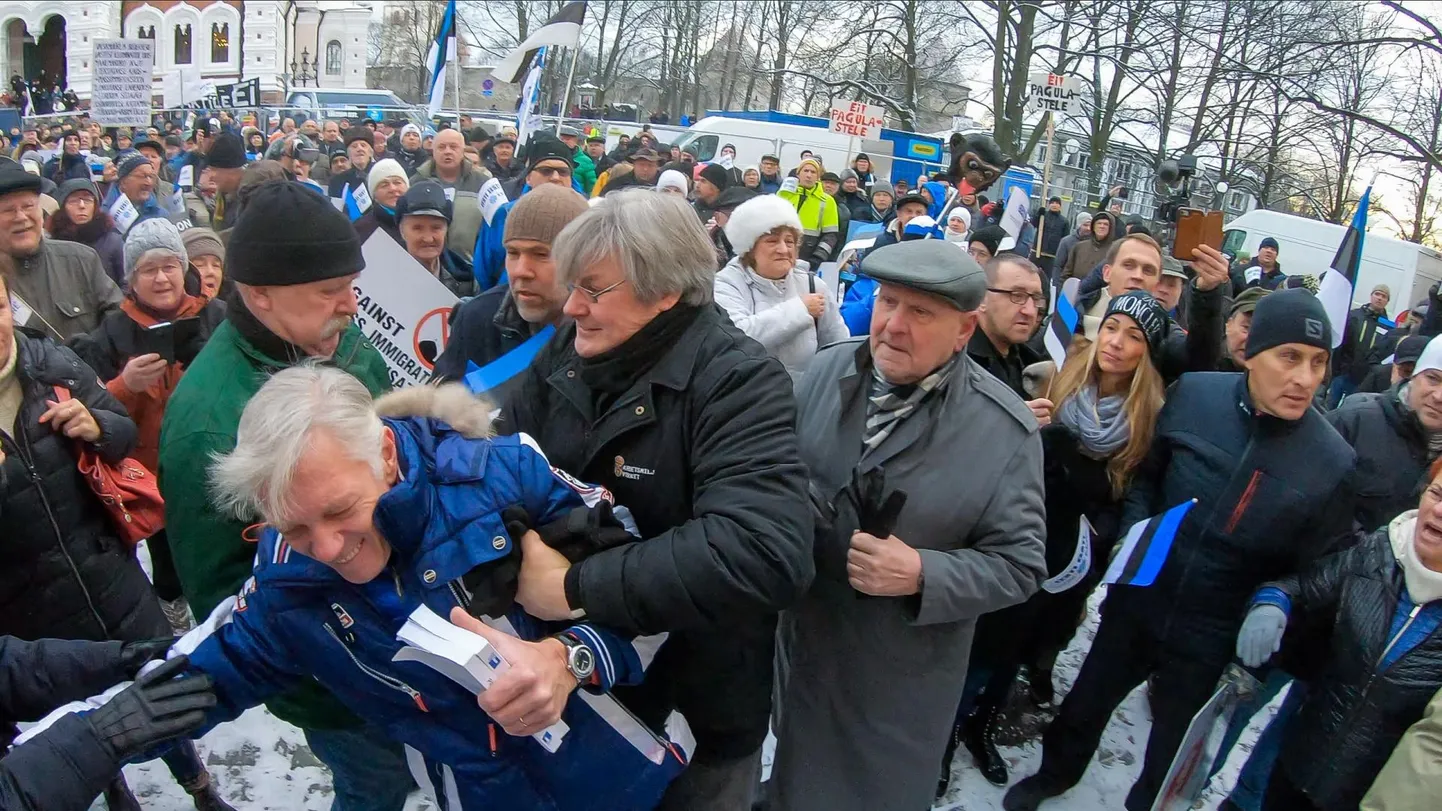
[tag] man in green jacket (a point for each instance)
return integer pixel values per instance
(585, 171)
(294, 259)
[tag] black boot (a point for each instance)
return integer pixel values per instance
(204, 795)
(118, 796)
(1039, 687)
(1029, 793)
(944, 782)
(979, 735)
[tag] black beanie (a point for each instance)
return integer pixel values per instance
(544, 147)
(1289, 317)
(290, 234)
(717, 175)
(1139, 306)
(227, 151)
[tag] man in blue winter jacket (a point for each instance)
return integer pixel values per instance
(369, 518)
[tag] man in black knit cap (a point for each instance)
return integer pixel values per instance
(294, 259)
(226, 161)
(1273, 490)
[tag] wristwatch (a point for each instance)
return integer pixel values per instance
(580, 659)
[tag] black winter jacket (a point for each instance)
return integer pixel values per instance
(1391, 455)
(1364, 330)
(63, 572)
(65, 767)
(1272, 496)
(703, 451)
(1354, 715)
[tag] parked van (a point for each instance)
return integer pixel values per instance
(1308, 247)
(319, 103)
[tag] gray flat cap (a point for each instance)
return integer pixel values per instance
(931, 266)
(571, 131)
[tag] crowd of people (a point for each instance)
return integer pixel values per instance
(690, 480)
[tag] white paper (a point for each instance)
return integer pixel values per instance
(187, 176)
(1013, 219)
(492, 197)
(789, 184)
(451, 193)
(361, 197)
(1253, 274)
(463, 657)
(124, 213)
(1081, 562)
(19, 310)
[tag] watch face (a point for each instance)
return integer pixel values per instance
(583, 662)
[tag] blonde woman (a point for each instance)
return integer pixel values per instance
(1107, 400)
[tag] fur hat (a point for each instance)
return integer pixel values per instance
(757, 217)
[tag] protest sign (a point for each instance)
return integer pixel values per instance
(1053, 93)
(857, 119)
(124, 213)
(123, 99)
(1013, 217)
(402, 309)
(492, 198)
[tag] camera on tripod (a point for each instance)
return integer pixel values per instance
(1169, 173)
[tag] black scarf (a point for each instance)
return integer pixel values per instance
(266, 342)
(616, 370)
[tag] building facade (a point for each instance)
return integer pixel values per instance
(282, 43)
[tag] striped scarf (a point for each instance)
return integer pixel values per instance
(890, 404)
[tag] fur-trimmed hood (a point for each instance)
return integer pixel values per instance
(451, 403)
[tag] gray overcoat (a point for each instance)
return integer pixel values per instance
(868, 687)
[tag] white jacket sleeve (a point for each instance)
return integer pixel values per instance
(770, 327)
(830, 328)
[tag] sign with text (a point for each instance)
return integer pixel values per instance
(123, 99)
(1053, 93)
(402, 309)
(857, 119)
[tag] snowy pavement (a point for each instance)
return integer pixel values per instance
(262, 763)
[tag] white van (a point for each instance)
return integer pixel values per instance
(1308, 247)
(353, 103)
(753, 139)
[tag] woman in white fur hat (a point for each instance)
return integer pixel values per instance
(768, 293)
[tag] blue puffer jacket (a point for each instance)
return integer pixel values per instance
(298, 618)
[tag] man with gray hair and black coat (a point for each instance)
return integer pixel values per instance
(927, 472)
(650, 392)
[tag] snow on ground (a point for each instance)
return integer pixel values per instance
(262, 763)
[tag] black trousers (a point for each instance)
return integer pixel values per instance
(1123, 655)
(162, 567)
(1283, 795)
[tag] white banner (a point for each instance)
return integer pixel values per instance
(857, 119)
(403, 310)
(1013, 218)
(492, 197)
(1053, 93)
(124, 213)
(123, 98)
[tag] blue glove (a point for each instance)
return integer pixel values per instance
(1261, 634)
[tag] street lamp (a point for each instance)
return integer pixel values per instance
(303, 72)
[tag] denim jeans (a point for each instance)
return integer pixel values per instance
(1252, 782)
(1342, 386)
(368, 771)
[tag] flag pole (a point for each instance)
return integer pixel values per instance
(570, 77)
(456, 73)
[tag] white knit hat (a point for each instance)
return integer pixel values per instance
(673, 179)
(382, 170)
(757, 217)
(1431, 357)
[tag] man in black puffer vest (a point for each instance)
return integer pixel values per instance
(1273, 489)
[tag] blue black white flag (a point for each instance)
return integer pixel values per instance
(1060, 327)
(562, 30)
(1145, 548)
(1339, 282)
(354, 201)
(443, 50)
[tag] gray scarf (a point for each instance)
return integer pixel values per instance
(890, 404)
(1100, 425)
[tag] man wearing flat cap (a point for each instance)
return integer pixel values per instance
(926, 476)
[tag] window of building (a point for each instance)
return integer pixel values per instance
(220, 42)
(332, 58)
(145, 33)
(182, 44)
(1237, 200)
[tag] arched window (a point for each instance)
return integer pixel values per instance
(182, 44)
(145, 33)
(220, 42)
(332, 58)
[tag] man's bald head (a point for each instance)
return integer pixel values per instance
(448, 148)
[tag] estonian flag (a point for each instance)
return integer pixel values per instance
(443, 50)
(354, 201)
(1339, 282)
(1061, 328)
(1145, 548)
(563, 30)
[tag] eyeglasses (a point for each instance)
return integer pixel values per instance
(550, 171)
(1020, 297)
(594, 295)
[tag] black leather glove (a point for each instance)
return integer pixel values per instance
(155, 708)
(134, 655)
(876, 513)
(577, 535)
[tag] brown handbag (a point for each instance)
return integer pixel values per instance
(129, 492)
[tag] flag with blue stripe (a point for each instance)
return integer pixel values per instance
(1144, 548)
(1339, 282)
(355, 200)
(1060, 327)
(443, 50)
